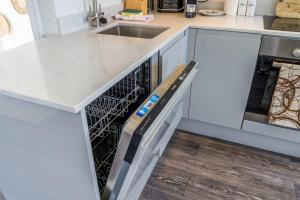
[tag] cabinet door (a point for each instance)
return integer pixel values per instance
(227, 62)
(190, 57)
(175, 55)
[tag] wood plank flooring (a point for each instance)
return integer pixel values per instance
(200, 168)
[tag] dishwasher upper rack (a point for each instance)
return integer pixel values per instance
(113, 103)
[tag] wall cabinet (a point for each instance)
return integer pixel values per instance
(227, 62)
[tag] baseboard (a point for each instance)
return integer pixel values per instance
(241, 137)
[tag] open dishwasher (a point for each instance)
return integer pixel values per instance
(130, 126)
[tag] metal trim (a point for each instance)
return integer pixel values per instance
(172, 10)
(279, 47)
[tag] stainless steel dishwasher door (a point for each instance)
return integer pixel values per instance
(146, 134)
(148, 155)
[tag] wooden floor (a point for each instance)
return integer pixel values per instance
(200, 168)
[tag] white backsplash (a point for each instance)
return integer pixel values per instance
(107, 3)
(67, 17)
(70, 19)
(263, 7)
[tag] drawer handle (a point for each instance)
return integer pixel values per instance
(296, 53)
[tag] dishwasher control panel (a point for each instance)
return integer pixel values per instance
(144, 110)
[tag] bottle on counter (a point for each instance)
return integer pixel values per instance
(191, 8)
(150, 7)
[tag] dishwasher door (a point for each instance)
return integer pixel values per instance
(146, 134)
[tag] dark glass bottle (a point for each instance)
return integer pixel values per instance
(150, 6)
(191, 8)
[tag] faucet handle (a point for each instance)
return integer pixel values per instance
(103, 20)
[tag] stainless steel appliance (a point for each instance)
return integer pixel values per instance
(170, 5)
(273, 50)
(146, 32)
(130, 126)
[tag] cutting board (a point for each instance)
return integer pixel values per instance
(137, 5)
(288, 8)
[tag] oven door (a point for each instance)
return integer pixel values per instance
(259, 106)
(146, 135)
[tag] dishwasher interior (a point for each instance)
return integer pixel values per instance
(107, 115)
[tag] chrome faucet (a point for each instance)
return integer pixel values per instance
(96, 16)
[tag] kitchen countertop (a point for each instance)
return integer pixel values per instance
(68, 72)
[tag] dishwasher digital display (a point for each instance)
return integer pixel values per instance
(148, 105)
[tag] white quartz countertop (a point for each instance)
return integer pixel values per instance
(68, 72)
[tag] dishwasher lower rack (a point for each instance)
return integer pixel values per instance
(104, 153)
(113, 104)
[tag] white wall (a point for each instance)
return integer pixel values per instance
(110, 2)
(69, 7)
(263, 7)
(21, 31)
(266, 7)
(1, 47)
(65, 16)
(48, 17)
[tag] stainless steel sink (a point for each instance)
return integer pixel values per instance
(134, 31)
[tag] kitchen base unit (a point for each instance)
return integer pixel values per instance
(44, 153)
(244, 137)
(227, 62)
(107, 151)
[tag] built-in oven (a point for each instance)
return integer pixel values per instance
(273, 108)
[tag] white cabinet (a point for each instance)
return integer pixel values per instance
(190, 57)
(173, 55)
(177, 52)
(227, 62)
